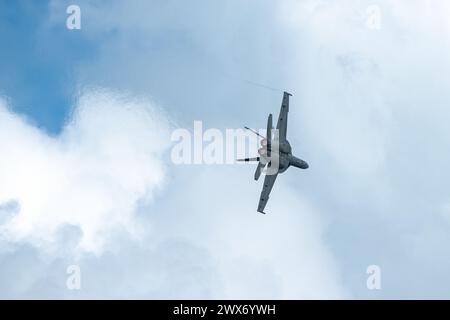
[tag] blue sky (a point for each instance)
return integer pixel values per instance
(40, 64)
(81, 185)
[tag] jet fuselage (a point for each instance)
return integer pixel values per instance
(285, 157)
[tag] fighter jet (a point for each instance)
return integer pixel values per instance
(275, 153)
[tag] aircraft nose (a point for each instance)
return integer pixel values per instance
(305, 165)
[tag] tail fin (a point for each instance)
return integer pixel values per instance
(269, 135)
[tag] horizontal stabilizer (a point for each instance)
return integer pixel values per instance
(259, 169)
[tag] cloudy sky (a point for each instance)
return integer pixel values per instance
(86, 176)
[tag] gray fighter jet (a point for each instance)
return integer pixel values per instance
(275, 153)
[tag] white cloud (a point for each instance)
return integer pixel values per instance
(93, 175)
(82, 189)
(207, 241)
(374, 117)
(279, 255)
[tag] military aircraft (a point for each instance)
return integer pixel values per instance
(275, 152)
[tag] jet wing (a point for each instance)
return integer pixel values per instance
(269, 181)
(283, 117)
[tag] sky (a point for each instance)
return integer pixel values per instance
(87, 179)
